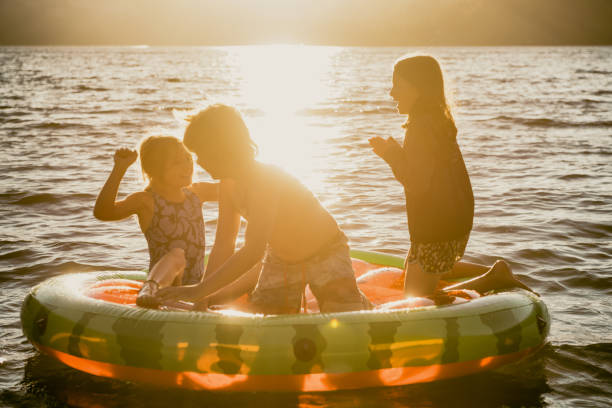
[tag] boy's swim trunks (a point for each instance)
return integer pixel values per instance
(329, 273)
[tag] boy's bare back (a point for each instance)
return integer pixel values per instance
(301, 225)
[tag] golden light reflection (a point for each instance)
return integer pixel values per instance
(61, 336)
(486, 361)
(404, 344)
(254, 348)
(306, 382)
(212, 381)
(283, 79)
(182, 349)
(280, 83)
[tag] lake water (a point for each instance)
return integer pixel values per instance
(535, 128)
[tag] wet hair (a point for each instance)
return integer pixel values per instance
(424, 73)
(220, 128)
(155, 153)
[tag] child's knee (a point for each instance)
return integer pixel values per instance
(178, 256)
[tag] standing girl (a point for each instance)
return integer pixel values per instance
(439, 198)
(169, 212)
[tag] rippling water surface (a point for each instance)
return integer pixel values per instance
(535, 127)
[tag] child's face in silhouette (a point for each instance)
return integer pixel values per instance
(179, 169)
(213, 163)
(404, 93)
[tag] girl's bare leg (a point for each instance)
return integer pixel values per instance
(418, 282)
(163, 273)
(498, 276)
(463, 269)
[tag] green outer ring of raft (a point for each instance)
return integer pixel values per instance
(378, 258)
(60, 320)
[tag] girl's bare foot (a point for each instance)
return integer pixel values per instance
(499, 277)
(146, 296)
(502, 277)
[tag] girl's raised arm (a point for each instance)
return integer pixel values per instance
(106, 208)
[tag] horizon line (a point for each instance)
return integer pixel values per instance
(310, 45)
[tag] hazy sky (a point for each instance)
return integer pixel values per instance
(334, 22)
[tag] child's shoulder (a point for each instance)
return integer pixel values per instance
(140, 202)
(271, 173)
(271, 179)
(203, 185)
(431, 129)
(424, 121)
(206, 191)
(143, 197)
(267, 172)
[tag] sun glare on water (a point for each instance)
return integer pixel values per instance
(280, 83)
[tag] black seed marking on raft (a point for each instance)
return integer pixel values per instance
(304, 349)
(34, 317)
(39, 314)
(508, 338)
(140, 341)
(41, 324)
(308, 344)
(381, 333)
(451, 343)
(228, 350)
(542, 322)
(77, 330)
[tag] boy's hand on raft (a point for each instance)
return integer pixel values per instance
(188, 293)
(125, 157)
(381, 146)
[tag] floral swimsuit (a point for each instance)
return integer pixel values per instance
(178, 225)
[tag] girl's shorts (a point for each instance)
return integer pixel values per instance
(437, 257)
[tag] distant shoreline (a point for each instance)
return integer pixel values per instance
(308, 45)
(343, 23)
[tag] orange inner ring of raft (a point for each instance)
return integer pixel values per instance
(380, 284)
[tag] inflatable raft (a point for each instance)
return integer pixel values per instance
(65, 317)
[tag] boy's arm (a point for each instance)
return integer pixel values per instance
(262, 215)
(206, 191)
(106, 208)
(263, 207)
(228, 224)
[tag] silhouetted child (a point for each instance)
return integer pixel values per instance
(300, 240)
(169, 212)
(439, 198)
